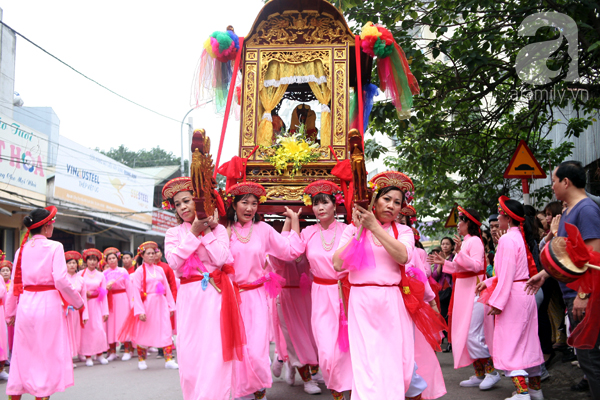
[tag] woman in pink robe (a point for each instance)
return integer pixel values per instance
(467, 333)
(4, 348)
(93, 334)
(75, 320)
(251, 241)
(320, 241)
(41, 363)
(381, 331)
(193, 248)
(293, 308)
(517, 348)
(425, 357)
(120, 299)
(153, 306)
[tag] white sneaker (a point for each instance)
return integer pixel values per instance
(126, 357)
(516, 396)
(311, 387)
(4, 375)
(89, 362)
(490, 380)
(152, 350)
(290, 373)
(74, 365)
(545, 374)
(171, 364)
(112, 357)
(142, 365)
(102, 360)
(536, 394)
(318, 377)
(276, 368)
(472, 382)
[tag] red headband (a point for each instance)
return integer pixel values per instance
(18, 281)
(466, 214)
(503, 209)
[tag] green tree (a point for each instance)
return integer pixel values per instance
(473, 108)
(154, 157)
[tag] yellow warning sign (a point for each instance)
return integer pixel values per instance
(452, 221)
(523, 164)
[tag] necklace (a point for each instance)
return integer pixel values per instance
(243, 239)
(328, 246)
(153, 275)
(377, 242)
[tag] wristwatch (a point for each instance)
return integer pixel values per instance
(583, 296)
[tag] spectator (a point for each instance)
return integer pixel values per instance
(552, 210)
(444, 279)
(494, 227)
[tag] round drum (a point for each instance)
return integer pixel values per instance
(557, 263)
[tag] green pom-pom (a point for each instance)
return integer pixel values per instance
(223, 39)
(381, 50)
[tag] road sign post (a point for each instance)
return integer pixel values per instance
(524, 166)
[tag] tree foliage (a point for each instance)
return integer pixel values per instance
(154, 157)
(473, 108)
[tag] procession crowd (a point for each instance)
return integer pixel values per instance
(360, 307)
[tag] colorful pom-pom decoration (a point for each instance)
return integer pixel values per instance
(376, 40)
(222, 45)
(395, 78)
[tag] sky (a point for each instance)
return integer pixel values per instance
(146, 51)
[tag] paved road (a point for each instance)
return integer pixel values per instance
(122, 380)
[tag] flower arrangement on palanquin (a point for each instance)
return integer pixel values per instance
(291, 151)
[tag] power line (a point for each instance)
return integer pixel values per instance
(88, 78)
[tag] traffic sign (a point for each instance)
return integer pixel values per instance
(523, 164)
(452, 221)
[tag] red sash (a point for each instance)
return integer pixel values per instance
(46, 288)
(247, 286)
(324, 281)
(233, 334)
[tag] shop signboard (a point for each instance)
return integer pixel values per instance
(96, 182)
(163, 220)
(23, 157)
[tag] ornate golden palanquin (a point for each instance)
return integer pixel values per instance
(296, 48)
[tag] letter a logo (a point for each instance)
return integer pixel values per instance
(531, 59)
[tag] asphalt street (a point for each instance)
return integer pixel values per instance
(122, 380)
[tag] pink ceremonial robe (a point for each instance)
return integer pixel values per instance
(335, 365)
(254, 372)
(428, 364)
(121, 302)
(202, 372)
(41, 361)
(11, 329)
(156, 330)
(93, 334)
(380, 329)
(3, 327)
(73, 318)
(469, 259)
(295, 308)
(516, 340)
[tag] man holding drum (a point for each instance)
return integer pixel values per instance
(568, 184)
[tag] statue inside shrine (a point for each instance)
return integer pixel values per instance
(303, 114)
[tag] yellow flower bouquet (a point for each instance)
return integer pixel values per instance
(291, 148)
